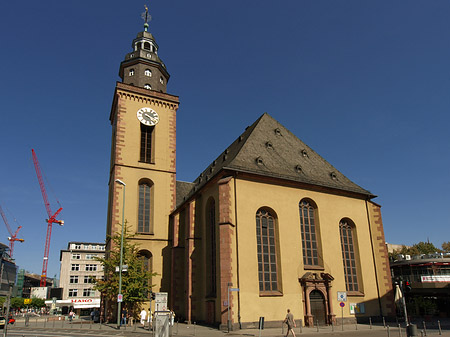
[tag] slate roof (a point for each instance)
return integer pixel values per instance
(267, 148)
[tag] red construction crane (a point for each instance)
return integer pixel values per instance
(13, 238)
(51, 219)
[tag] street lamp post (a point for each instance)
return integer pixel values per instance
(119, 303)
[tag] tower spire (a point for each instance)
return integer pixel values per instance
(146, 17)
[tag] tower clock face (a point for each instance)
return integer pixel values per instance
(148, 116)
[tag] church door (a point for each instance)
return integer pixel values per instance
(317, 307)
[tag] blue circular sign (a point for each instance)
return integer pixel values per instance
(342, 304)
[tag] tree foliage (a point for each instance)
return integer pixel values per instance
(417, 249)
(446, 247)
(135, 281)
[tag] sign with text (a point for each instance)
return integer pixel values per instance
(161, 301)
(435, 278)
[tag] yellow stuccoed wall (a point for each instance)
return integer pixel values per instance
(284, 202)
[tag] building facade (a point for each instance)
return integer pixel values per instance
(268, 225)
(78, 269)
(429, 283)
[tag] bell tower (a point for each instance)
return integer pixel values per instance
(143, 153)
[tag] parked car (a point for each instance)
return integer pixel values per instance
(2, 322)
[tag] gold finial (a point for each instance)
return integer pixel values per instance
(146, 17)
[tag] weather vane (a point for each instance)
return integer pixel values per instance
(146, 17)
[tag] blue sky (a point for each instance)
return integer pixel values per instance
(364, 83)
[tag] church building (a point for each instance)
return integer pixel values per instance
(268, 225)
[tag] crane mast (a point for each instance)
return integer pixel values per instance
(13, 237)
(50, 221)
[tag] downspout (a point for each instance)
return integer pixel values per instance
(237, 250)
(373, 259)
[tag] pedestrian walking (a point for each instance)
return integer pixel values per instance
(289, 320)
(143, 315)
(124, 317)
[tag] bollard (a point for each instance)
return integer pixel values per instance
(439, 326)
(45, 321)
(90, 324)
(100, 324)
(81, 323)
(399, 331)
(384, 322)
(388, 332)
(332, 326)
(370, 322)
(317, 324)
(282, 328)
(421, 333)
(301, 327)
(194, 328)
(53, 325)
(424, 328)
(356, 325)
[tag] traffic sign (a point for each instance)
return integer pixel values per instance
(342, 296)
(234, 289)
(27, 301)
(342, 304)
(120, 298)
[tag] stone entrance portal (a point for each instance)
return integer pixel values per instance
(317, 298)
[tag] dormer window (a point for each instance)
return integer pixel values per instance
(131, 73)
(147, 86)
(148, 72)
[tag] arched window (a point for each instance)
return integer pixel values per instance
(131, 72)
(144, 211)
(148, 72)
(267, 251)
(146, 143)
(349, 258)
(146, 258)
(211, 248)
(147, 86)
(310, 234)
(161, 80)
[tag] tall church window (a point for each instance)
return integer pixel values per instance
(310, 233)
(145, 257)
(211, 248)
(144, 211)
(349, 258)
(267, 252)
(131, 72)
(146, 143)
(148, 72)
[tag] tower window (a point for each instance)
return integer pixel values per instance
(147, 45)
(161, 80)
(144, 208)
(131, 73)
(148, 73)
(146, 143)
(147, 86)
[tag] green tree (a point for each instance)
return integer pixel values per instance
(17, 302)
(416, 249)
(135, 281)
(37, 302)
(446, 247)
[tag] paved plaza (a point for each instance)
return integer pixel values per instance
(41, 328)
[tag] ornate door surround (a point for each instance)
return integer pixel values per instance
(321, 282)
